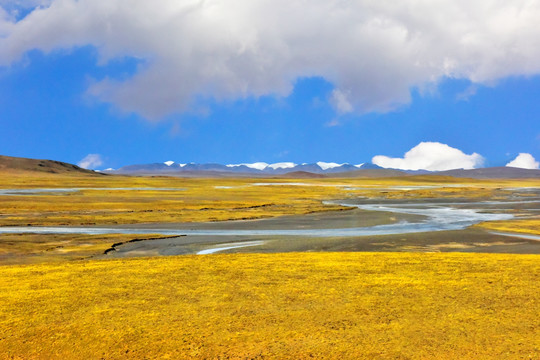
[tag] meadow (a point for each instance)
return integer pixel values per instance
(526, 226)
(52, 248)
(169, 199)
(193, 200)
(58, 302)
(287, 306)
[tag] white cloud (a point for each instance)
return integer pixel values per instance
(91, 161)
(333, 123)
(374, 52)
(339, 101)
(466, 94)
(169, 163)
(24, 4)
(431, 156)
(524, 161)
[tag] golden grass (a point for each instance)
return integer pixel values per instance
(527, 226)
(285, 306)
(201, 201)
(34, 248)
(468, 192)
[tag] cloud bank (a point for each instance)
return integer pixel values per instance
(431, 156)
(524, 161)
(91, 161)
(374, 52)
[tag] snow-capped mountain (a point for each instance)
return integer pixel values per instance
(171, 167)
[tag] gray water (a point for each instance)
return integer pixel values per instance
(438, 217)
(518, 235)
(223, 247)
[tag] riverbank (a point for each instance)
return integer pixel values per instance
(428, 226)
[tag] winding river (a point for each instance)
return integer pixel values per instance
(437, 217)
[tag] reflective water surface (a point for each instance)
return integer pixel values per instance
(438, 217)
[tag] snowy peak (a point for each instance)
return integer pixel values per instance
(325, 166)
(282, 165)
(255, 165)
(263, 166)
(171, 167)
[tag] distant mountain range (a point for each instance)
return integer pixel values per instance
(502, 172)
(318, 169)
(170, 167)
(260, 169)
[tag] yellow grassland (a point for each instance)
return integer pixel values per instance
(279, 306)
(526, 226)
(47, 248)
(253, 306)
(200, 200)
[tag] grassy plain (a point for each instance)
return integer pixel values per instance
(200, 200)
(337, 305)
(287, 306)
(526, 226)
(196, 200)
(50, 248)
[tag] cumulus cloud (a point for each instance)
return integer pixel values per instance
(339, 101)
(466, 94)
(91, 161)
(431, 156)
(524, 161)
(374, 52)
(24, 4)
(333, 123)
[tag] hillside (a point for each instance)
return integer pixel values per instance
(8, 163)
(301, 175)
(370, 173)
(503, 172)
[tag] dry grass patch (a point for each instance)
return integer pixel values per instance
(196, 200)
(286, 306)
(526, 226)
(200, 200)
(40, 248)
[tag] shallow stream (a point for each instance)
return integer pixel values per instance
(438, 217)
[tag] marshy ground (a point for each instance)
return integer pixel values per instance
(393, 296)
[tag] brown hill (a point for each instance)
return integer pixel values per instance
(8, 163)
(301, 175)
(503, 172)
(370, 173)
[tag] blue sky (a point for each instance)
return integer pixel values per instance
(64, 98)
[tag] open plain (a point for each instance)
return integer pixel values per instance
(350, 268)
(260, 179)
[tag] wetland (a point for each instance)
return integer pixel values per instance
(357, 265)
(351, 215)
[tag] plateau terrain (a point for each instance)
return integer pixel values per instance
(294, 265)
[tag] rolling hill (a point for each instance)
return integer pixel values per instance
(8, 163)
